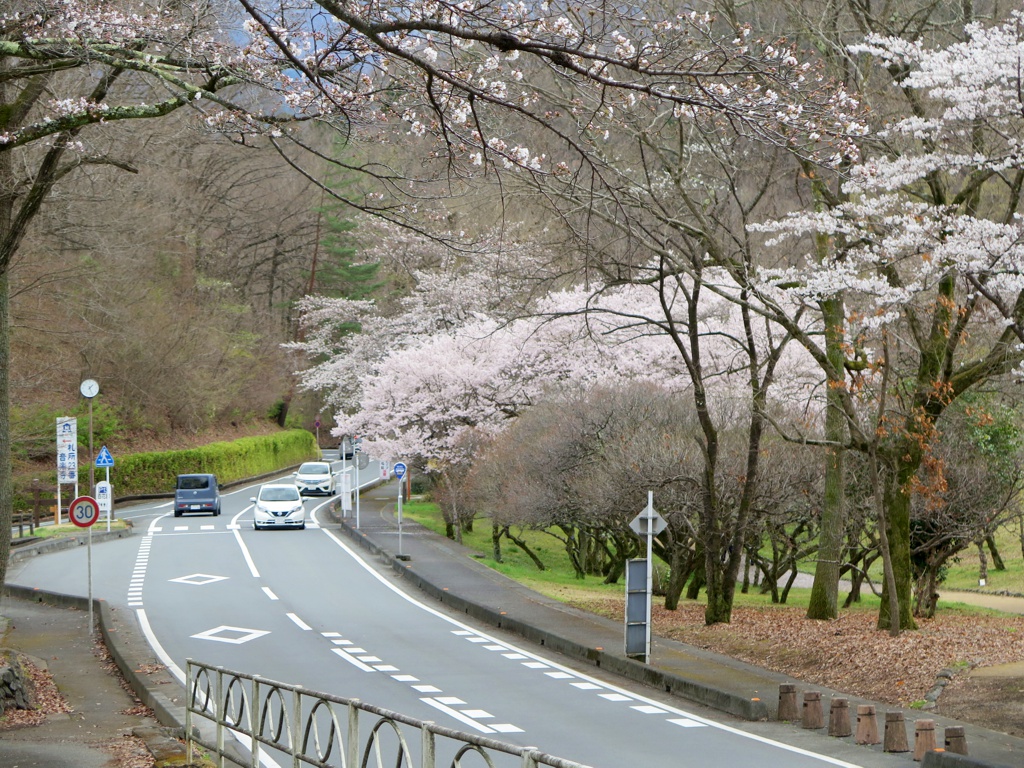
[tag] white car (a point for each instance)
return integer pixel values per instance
(278, 505)
(316, 477)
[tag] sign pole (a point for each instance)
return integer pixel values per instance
(400, 475)
(355, 457)
(650, 568)
(84, 512)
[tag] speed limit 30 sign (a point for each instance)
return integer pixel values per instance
(84, 511)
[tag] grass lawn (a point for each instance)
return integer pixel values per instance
(559, 582)
(70, 529)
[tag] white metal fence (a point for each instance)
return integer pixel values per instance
(297, 726)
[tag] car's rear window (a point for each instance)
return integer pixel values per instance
(279, 494)
(193, 483)
(314, 469)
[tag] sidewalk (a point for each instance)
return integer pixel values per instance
(443, 570)
(448, 572)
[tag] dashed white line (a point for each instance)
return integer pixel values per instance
(352, 660)
(298, 622)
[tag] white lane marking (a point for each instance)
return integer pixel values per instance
(686, 722)
(269, 593)
(477, 714)
(457, 715)
(298, 622)
(646, 709)
(405, 678)
(450, 701)
(599, 684)
(352, 660)
(179, 675)
(427, 688)
(615, 697)
(245, 553)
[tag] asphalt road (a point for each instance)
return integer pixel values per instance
(302, 607)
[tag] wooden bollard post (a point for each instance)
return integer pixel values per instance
(895, 733)
(787, 702)
(924, 738)
(814, 716)
(839, 718)
(956, 739)
(867, 725)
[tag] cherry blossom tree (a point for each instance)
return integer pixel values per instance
(69, 70)
(931, 260)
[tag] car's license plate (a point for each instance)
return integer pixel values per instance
(195, 506)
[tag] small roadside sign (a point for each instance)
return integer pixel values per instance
(399, 470)
(104, 497)
(84, 511)
(104, 459)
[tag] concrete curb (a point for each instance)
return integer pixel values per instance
(950, 760)
(65, 542)
(752, 708)
(147, 676)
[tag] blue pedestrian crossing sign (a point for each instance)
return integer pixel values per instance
(104, 459)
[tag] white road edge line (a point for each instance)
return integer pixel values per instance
(721, 726)
(175, 670)
(457, 715)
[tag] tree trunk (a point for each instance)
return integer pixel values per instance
(526, 548)
(496, 542)
(997, 560)
(896, 610)
(824, 600)
(6, 490)
(982, 564)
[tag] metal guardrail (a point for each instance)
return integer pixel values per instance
(312, 728)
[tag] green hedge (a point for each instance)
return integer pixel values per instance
(247, 457)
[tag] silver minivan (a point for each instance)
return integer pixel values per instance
(196, 493)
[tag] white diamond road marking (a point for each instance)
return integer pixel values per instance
(199, 579)
(241, 634)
